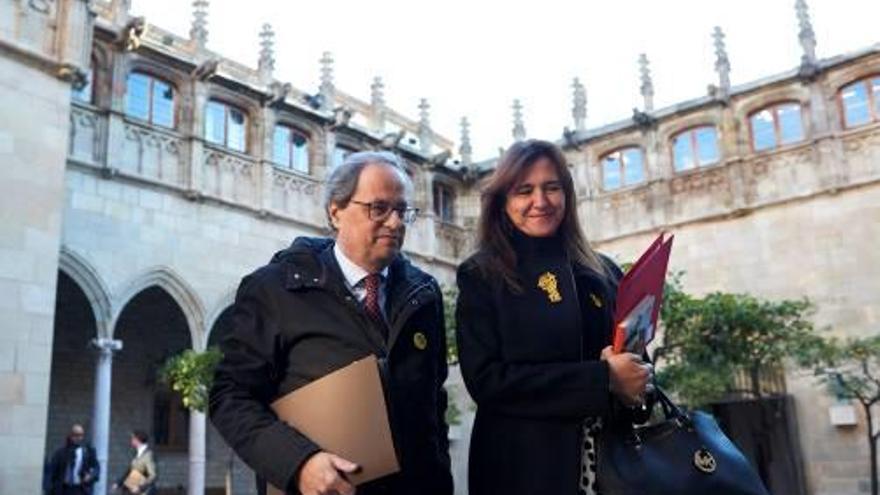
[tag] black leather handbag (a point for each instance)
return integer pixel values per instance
(686, 454)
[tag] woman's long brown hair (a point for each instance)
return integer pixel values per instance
(495, 229)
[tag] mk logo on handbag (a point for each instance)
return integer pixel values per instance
(704, 461)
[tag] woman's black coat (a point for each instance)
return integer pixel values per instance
(534, 371)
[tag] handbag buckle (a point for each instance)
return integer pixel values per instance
(704, 461)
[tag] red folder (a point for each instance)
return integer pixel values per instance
(645, 278)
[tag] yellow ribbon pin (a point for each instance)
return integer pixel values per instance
(420, 341)
(596, 301)
(548, 283)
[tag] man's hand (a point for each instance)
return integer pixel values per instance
(629, 376)
(324, 474)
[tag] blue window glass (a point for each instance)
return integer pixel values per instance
(855, 104)
(235, 129)
(611, 178)
(163, 104)
(215, 122)
(150, 99)
(696, 147)
(763, 130)
(137, 96)
(290, 149)
(707, 145)
(875, 90)
(683, 152)
(281, 146)
(791, 126)
(300, 152)
(339, 154)
(633, 166)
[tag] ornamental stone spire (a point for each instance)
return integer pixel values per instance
(579, 108)
(425, 133)
(327, 90)
(722, 63)
(377, 105)
(647, 87)
(465, 149)
(199, 31)
(519, 128)
(806, 35)
(266, 64)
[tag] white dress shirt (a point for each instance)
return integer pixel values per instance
(354, 278)
(73, 474)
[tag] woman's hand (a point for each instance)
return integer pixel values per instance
(629, 376)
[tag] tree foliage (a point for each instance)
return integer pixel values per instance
(191, 374)
(708, 341)
(850, 369)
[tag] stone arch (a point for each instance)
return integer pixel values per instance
(218, 313)
(71, 381)
(86, 277)
(786, 94)
(137, 63)
(154, 324)
(166, 279)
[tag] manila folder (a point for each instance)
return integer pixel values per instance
(345, 414)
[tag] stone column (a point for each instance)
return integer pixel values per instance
(101, 406)
(197, 440)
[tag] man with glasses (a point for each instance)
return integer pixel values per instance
(73, 469)
(322, 304)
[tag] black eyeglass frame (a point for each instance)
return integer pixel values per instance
(379, 211)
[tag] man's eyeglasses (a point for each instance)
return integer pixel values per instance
(381, 210)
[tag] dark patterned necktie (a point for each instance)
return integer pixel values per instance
(371, 301)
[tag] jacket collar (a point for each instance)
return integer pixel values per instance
(310, 263)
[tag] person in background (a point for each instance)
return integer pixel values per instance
(73, 468)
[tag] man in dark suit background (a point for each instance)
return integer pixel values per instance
(322, 304)
(73, 469)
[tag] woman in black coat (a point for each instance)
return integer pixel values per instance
(534, 319)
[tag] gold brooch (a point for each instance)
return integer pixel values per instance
(420, 341)
(547, 283)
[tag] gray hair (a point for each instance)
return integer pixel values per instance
(343, 179)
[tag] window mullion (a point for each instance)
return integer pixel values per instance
(696, 152)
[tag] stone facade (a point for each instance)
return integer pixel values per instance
(797, 220)
(142, 231)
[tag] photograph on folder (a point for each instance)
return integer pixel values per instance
(345, 414)
(633, 333)
(639, 296)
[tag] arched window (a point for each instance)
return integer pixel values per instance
(444, 202)
(339, 154)
(776, 125)
(225, 125)
(290, 148)
(860, 102)
(149, 98)
(695, 147)
(623, 167)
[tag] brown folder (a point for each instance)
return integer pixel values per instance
(345, 413)
(134, 480)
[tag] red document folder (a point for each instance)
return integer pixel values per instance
(645, 279)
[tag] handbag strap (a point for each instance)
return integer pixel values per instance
(670, 408)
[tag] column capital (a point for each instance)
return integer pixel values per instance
(106, 345)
